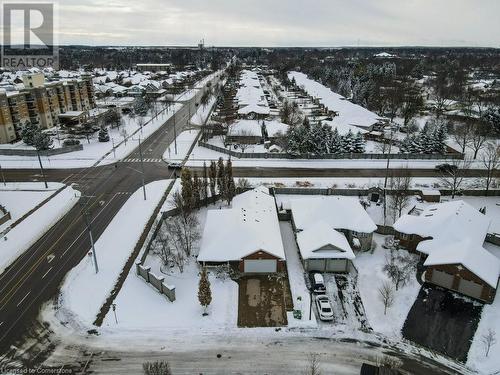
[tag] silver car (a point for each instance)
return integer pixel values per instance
(324, 306)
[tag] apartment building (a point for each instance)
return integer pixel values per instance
(41, 103)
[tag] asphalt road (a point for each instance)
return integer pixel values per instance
(249, 354)
(35, 276)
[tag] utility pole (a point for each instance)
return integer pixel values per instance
(88, 223)
(142, 169)
(113, 306)
(387, 175)
(175, 135)
(41, 168)
(114, 150)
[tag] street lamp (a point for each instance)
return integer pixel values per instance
(41, 168)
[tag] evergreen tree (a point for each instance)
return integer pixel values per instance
(204, 292)
(196, 191)
(230, 186)
(42, 141)
(335, 142)
(213, 178)
(221, 176)
(347, 142)
(187, 189)
(439, 137)
(359, 143)
(103, 135)
(28, 133)
(204, 184)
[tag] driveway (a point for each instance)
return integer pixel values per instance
(443, 321)
(262, 301)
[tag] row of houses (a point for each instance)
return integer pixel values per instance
(251, 98)
(329, 230)
(247, 236)
(41, 103)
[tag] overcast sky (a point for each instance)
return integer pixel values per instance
(280, 22)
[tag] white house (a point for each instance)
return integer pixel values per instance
(344, 214)
(247, 235)
(324, 249)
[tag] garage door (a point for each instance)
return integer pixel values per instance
(442, 278)
(470, 288)
(315, 265)
(260, 265)
(336, 265)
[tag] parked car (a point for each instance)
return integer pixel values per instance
(174, 164)
(71, 142)
(318, 284)
(325, 310)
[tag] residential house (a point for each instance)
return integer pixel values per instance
(450, 238)
(246, 236)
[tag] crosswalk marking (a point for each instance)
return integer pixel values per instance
(146, 160)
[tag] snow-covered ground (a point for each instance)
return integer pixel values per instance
(96, 151)
(20, 197)
(15, 241)
(490, 319)
(202, 113)
(139, 305)
(370, 278)
(83, 291)
(298, 288)
(184, 142)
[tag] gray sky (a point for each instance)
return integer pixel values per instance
(281, 22)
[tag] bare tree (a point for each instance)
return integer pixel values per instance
(400, 267)
(488, 339)
(313, 364)
(386, 294)
(452, 174)
(400, 195)
(491, 162)
(124, 134)
(462, 134)
(478, 137)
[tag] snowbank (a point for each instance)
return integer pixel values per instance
(28, 231)
(84, 291)
(184, 142)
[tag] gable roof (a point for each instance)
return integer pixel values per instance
(338, 212)
(249, 226)
(457, 231)
(313, 240)
(455, 221)
(475, 258)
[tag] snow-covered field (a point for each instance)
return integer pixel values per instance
(22, 198)
(370, 278)
(83, 291)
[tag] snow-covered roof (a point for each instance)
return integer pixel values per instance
(337, 211)
(430, 192)
(255, 108)
(348, 113)
(320, 240)
(472, 256)
(274, 128)
(448, 221)
(250, 128)
(457, 231)
(250, 93)
(250, 225)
